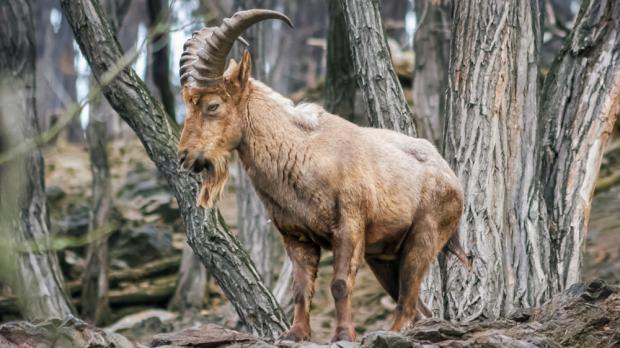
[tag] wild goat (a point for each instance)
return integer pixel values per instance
(327, 183)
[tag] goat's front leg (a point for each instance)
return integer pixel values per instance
(348, 246)
(305, 258)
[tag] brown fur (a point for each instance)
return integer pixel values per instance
(364, 193)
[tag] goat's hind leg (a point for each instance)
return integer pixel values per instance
(419, 249)
(386, 272)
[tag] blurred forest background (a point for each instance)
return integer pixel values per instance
(109, 226)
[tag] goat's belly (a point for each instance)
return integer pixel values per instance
(303, 230)
(385, 241)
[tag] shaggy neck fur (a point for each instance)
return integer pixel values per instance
(272, 149)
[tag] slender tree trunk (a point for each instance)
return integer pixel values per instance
(55, 70)
(385, 102)
(340, 84)
(579, 105)
(207, 234)
(189, 295)
(431, 45)
(160, 51)
(95, 306)
(33, 273)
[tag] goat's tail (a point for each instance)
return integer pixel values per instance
(454, 246)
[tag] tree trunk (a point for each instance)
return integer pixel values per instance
(431, 45)
(189, 295)
(55, 70)
(385, 101)
(491, 143)
(526, 247)
(95, 306)
(207, 234)
(160, 51)
(340, 84)
(33, 272)
(580, 102)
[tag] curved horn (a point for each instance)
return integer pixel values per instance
(204, 55)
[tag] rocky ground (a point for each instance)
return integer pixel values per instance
(586, 315)
(146, 238)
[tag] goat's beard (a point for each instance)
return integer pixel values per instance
(213, 182)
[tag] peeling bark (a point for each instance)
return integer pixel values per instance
(207, 234)
(385, 101)
(32, 272)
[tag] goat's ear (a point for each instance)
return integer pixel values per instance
(240, 73)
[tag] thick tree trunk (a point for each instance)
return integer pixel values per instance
(189, 295)
(491, 142)
(207, 234)
(340, 86)
(160, 52)
(385, 102)
(33, 272)
(431, 45)
(579, 105)
(95, 306)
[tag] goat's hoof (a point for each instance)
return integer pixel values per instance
(295, 334)
(344, 334)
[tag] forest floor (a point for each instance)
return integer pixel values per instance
(149, 233)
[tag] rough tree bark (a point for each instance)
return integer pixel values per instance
(95, 306)
(580, 102)
(385, 101)
(34, 273)
(340, 85)
(207, 234)
(527, 200)
(431, 45)
(160, 52)
(491, 142)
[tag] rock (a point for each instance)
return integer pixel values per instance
(521, 315)
(136, 246)
(143, 319)
(436, 330)
(75, 223)
(54, 193)
(70, 332)
(209, 335)
(386, 339)
(592, 291)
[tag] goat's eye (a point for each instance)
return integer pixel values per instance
(212, 107)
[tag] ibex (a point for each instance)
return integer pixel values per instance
(364, 193)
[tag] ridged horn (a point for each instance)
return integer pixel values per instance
(204, 55)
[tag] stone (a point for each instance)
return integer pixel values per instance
(136, 246)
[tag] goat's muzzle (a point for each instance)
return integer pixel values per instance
(214, 174)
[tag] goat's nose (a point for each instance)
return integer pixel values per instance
(182, 156)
